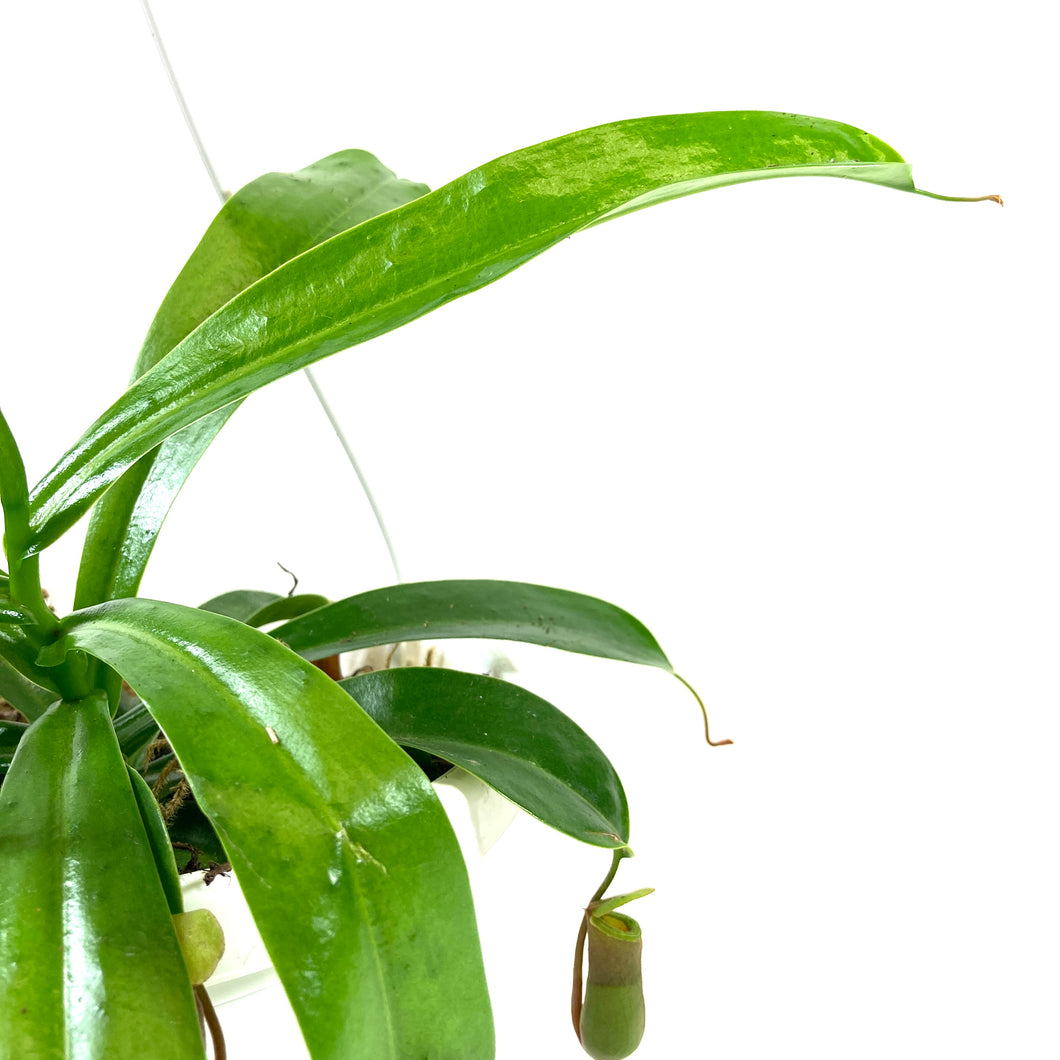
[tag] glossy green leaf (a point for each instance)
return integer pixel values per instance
(394, 268)
(123, 529)
(270, 221)
(14, 497)
(342, 849)
(158, 841)
(10, 734)
(91, 965)
(258, 609)
(515, 741)
(240, 604)
(14, 614)
(22, 596)
(492, 610)
(20, 681)
(288, 607)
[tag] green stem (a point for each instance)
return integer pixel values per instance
(617, 855)
(24, 572)
(961, 198)
(576, 998)
(72, 678)
(703, 709)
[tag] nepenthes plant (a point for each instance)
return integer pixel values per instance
(314, 785)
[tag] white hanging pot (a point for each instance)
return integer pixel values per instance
(255, 1015)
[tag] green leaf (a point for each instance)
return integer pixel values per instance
(270, 221)
(14, 614)
(22, 684)
(342, 849)
(122, 532)
(258, 609)
(287, 607)
(492, 610)
(14, 497)
(158, 841)
(240, 604)
(607, 905)
(516, 742)
(91, 964)
(393, 268)
(10, 734)
(22, 597)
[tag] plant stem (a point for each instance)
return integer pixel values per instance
(23, 570)
(703, 710)
(961, 198)
(207, 1013)
(41, 625)
(579, 946)
(617, 856)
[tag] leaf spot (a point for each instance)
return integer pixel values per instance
(360, 852)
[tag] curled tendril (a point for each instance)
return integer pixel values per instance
(703, 709)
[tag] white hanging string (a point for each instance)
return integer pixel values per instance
(365, 488)
(223, 196)
(182, 103)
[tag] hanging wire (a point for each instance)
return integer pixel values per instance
(365, 488)
(223, 196)
(182, 102)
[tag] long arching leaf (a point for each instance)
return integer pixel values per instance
(342, 849)
(270, 221)
(22, 683)
(396, 267)
(506, 736)
(491, 610)
(258, 608)
(91, 969)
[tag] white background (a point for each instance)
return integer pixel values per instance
(805, 430)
